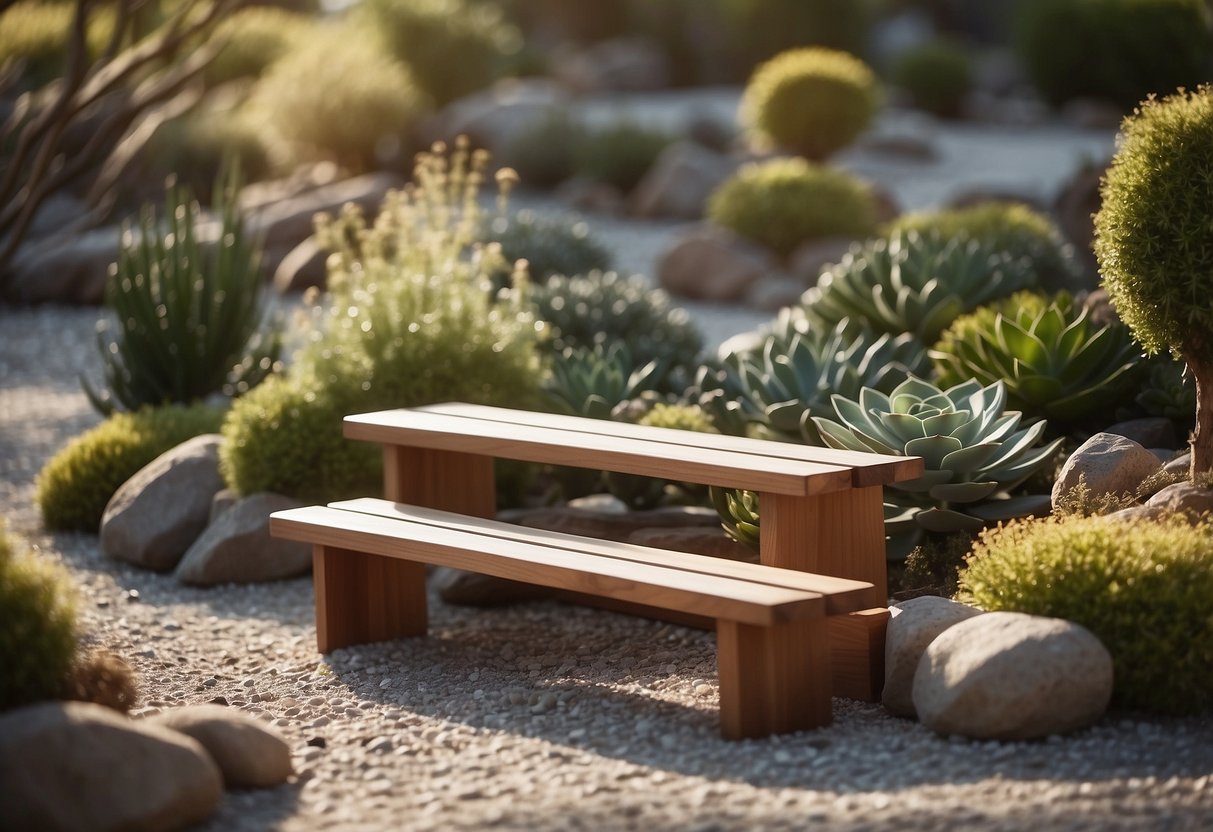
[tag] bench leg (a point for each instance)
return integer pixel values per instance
(363, 598)
(446, 480)
(840, 533)
(773, 680)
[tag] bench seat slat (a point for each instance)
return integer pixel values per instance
(867, 469)
(648, 456)
(841, 595)
(700, 594)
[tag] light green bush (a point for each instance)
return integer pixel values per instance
(75, 485)
(38, 632)
(813, 101)
(336, 97)
(937, 75)
(256, 37)
(786, 202)
(195, 148)
(1142, 588)
(619, 154)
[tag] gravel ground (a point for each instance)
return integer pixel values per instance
(544, 716)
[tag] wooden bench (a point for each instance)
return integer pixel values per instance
(772, 638)
(822, 509)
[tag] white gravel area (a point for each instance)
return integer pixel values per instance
(544, 716)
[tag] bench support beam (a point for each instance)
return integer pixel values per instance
(773, 680)
(363, 598)
(447, 480)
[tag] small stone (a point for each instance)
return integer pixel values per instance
(713, 264)
(1107, 463)
(317, 742)
(248, 754)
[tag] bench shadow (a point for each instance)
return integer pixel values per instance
(861, 752)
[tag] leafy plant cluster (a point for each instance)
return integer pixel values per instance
(936, 75)
(557, 147)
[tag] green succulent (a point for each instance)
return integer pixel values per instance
(1169, 391)
(739, 515)
(593, 382)
(550, 245)
(191, 321)
(1055, 362)
(914, 283)
(972, 451)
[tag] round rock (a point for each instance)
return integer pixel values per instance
(914, 625)
(248, 753)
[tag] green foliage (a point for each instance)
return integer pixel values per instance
(762, 28)
(933, 566)
(544, 154)
(912, 283)
(786, 202)
(452, 47)
(1154, 231)
(256, 37)
(408, 321)
(190, 320)
(1013, 228)
(972, 453)
(550, 245)
(1168, 390)
(937, 75)
(1055, 362)
(639, 492)
(196, 148)
(1120, 50)
(604, 308)
(619, 154)
(592, 382)
(38, 632)
(739, 513)
(35, 35)
(813, 101)
(1142, 588)
(75, 485)
(335, 97)
(677, 417)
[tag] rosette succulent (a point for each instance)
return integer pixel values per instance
(593, 382)
(915, 283)
(1055, 362)
(973, 449)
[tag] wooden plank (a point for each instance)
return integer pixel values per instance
(362, 598)
(448, 480)
(868, 468)
(841, 595)
(857, 653)
(773, 680)
(659, 586)
(598, 449)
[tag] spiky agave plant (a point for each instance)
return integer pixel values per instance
(974, 452)
(1056, 364)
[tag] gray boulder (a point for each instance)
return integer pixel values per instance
(1185, 497)
(155, 515)
(913, 626)
(78, 766)
(62, 268)
(680, 181)
(1108, 464)
(1011, 676)
(496, 117)
(713, 264)
(249, 754)
(1180, 465)
(301, 268)
(237, 547)
(1149, 432)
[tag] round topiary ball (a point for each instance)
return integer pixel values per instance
(814, 101)
(1142, 588)
(785, 202)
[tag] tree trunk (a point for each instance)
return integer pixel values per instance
(1202, 439)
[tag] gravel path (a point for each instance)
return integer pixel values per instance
(544, 716)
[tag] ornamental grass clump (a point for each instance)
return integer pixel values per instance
(1154, 240)
(783, 203)
(813, 101)
(409, 320)
(1142, 588)
(1055, 363)
(190, 317)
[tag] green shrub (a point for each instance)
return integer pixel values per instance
(36, 34)
(409, 320)
(257, 36)
(544, 154)
(550, 245)
(1154, 240)
(619, 154)
(762, 28)
(678, 417)
(1120, 50)
(1142, 588)
(937, 75)
(1009, 227)
(38, 631)
(334, 97)
(196, 148)
(1169, 391)
(786, 202)
(813, 101)
(452, 47)
(604, 308)
(1055, 362)
(915, 284)
(191, 320)
(77, 482)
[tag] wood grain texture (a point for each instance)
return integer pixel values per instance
(592, 448)
(643, 583)
(868, 469)
(362, 598)
(857, 653)
(449, 480)
(773, 680)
